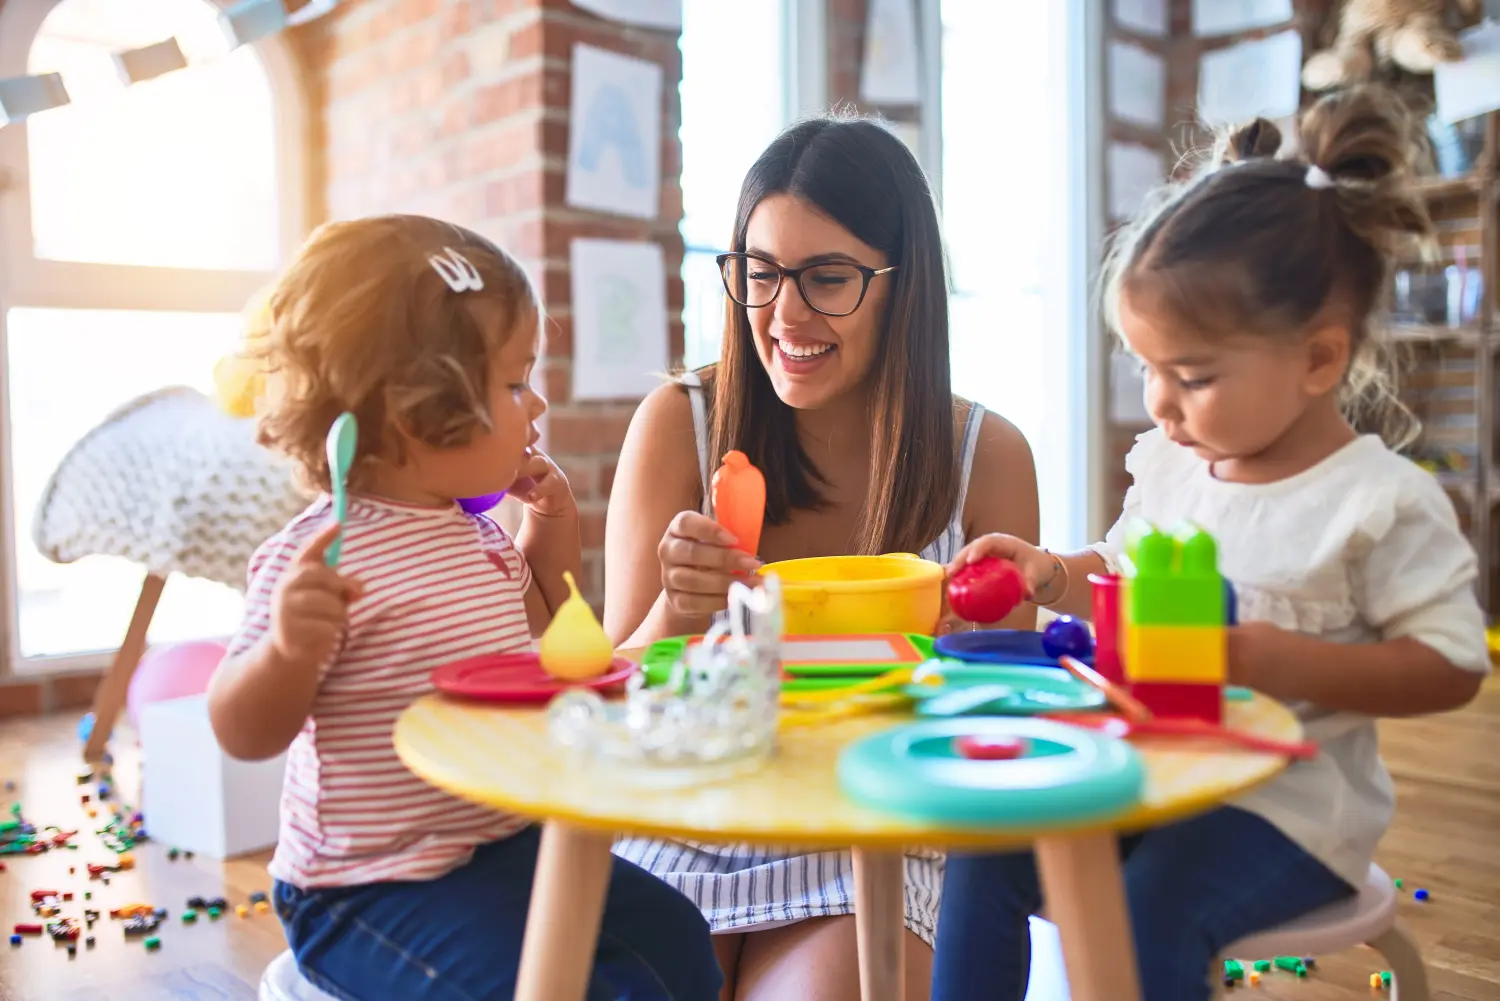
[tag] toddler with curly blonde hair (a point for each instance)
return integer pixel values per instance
(388, 887)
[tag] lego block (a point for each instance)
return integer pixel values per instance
(1179, 700)
(1108, 638)
(1175, 653)
(1172, 579)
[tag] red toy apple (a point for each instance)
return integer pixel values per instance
(987, 590)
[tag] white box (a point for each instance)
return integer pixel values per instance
(194, 796)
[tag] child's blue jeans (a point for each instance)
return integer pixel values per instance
(458, 938)
(1192, 887)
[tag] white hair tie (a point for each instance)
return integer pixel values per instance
(456, 270)
(1317, 178)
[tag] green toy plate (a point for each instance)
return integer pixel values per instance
(830, 661)
(1065, 775)
(1000, 690)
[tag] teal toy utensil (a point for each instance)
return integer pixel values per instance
(343, 437)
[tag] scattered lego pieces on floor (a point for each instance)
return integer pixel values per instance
(1398, 882)
(1420, 895)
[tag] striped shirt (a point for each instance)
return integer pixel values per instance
(439, 585)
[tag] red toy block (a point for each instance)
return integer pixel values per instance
(1179, 700)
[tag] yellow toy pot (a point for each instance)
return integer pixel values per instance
(851, 595)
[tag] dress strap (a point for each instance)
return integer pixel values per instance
(966, 458)
(694, 387)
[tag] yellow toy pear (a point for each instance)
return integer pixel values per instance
(574, 647)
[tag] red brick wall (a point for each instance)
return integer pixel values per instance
(459, 109)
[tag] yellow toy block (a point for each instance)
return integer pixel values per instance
(1191, 654)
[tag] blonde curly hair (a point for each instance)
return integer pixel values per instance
(363, 322)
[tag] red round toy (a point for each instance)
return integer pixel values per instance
(987, 590)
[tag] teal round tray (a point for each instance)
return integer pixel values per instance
(1068, 775)
(1001, 690)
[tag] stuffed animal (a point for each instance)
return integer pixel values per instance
(1376, 34)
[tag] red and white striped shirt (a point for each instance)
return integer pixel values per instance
(439, 585)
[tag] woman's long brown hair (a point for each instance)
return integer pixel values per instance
(861, 176)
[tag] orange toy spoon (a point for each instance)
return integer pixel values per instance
(739, 499)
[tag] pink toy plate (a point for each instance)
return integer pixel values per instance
(517, 677)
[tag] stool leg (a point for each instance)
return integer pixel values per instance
(1408, 972)
(109, 697)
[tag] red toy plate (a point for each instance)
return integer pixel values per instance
(518, 677)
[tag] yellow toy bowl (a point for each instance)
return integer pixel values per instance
(850, 595)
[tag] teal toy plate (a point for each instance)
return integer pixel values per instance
(1000, 690)
(1066, 774)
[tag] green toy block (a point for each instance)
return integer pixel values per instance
(1172, 579)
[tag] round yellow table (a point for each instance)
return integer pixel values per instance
(504, 758)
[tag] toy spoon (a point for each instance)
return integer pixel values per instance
(1122, 728)
(343, 437)
(1122, 700)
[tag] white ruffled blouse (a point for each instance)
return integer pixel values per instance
(1364, 546)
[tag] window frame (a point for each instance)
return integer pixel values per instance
(27, 281)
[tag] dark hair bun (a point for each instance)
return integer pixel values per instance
(1256, 141)
(1364, 134)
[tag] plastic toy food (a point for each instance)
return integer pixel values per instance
(987, 590)
(739, 500)
(574, 647)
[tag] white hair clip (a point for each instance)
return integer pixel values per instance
(456, 270)
(1317, 178)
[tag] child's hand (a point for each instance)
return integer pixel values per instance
(1037, 566)
(1255, 650)
(547, 493)
(310, 607)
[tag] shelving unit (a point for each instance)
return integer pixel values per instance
(1463, 205)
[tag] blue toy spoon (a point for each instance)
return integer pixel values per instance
(343, 437)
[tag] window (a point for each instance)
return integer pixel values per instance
(144, 219)
(727, 120)
(1017, 216)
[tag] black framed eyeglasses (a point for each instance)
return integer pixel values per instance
(835, 288)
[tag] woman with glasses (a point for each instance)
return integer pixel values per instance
(834, 380)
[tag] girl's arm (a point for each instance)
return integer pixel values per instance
(296, 616)
(1414, 584)
(1396, 677)
(548, 538)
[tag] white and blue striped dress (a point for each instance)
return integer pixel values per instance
(748, 888)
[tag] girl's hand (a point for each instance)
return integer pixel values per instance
(698, 563)
(1038, 568)
(542, 487)
(310, 606)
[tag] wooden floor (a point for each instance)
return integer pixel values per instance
(1446, 839)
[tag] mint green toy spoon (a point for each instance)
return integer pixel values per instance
(342, 439)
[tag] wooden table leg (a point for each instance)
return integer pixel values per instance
(1085, 896)
(109, 697)
(562, 923)
(880, 924)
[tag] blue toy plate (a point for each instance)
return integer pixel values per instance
(1067, 775)
(998, 646)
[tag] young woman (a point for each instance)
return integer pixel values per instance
(834, 380)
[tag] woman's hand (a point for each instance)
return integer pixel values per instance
(542, 487)
(698, 563)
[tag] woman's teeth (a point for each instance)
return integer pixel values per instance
(804, 350)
